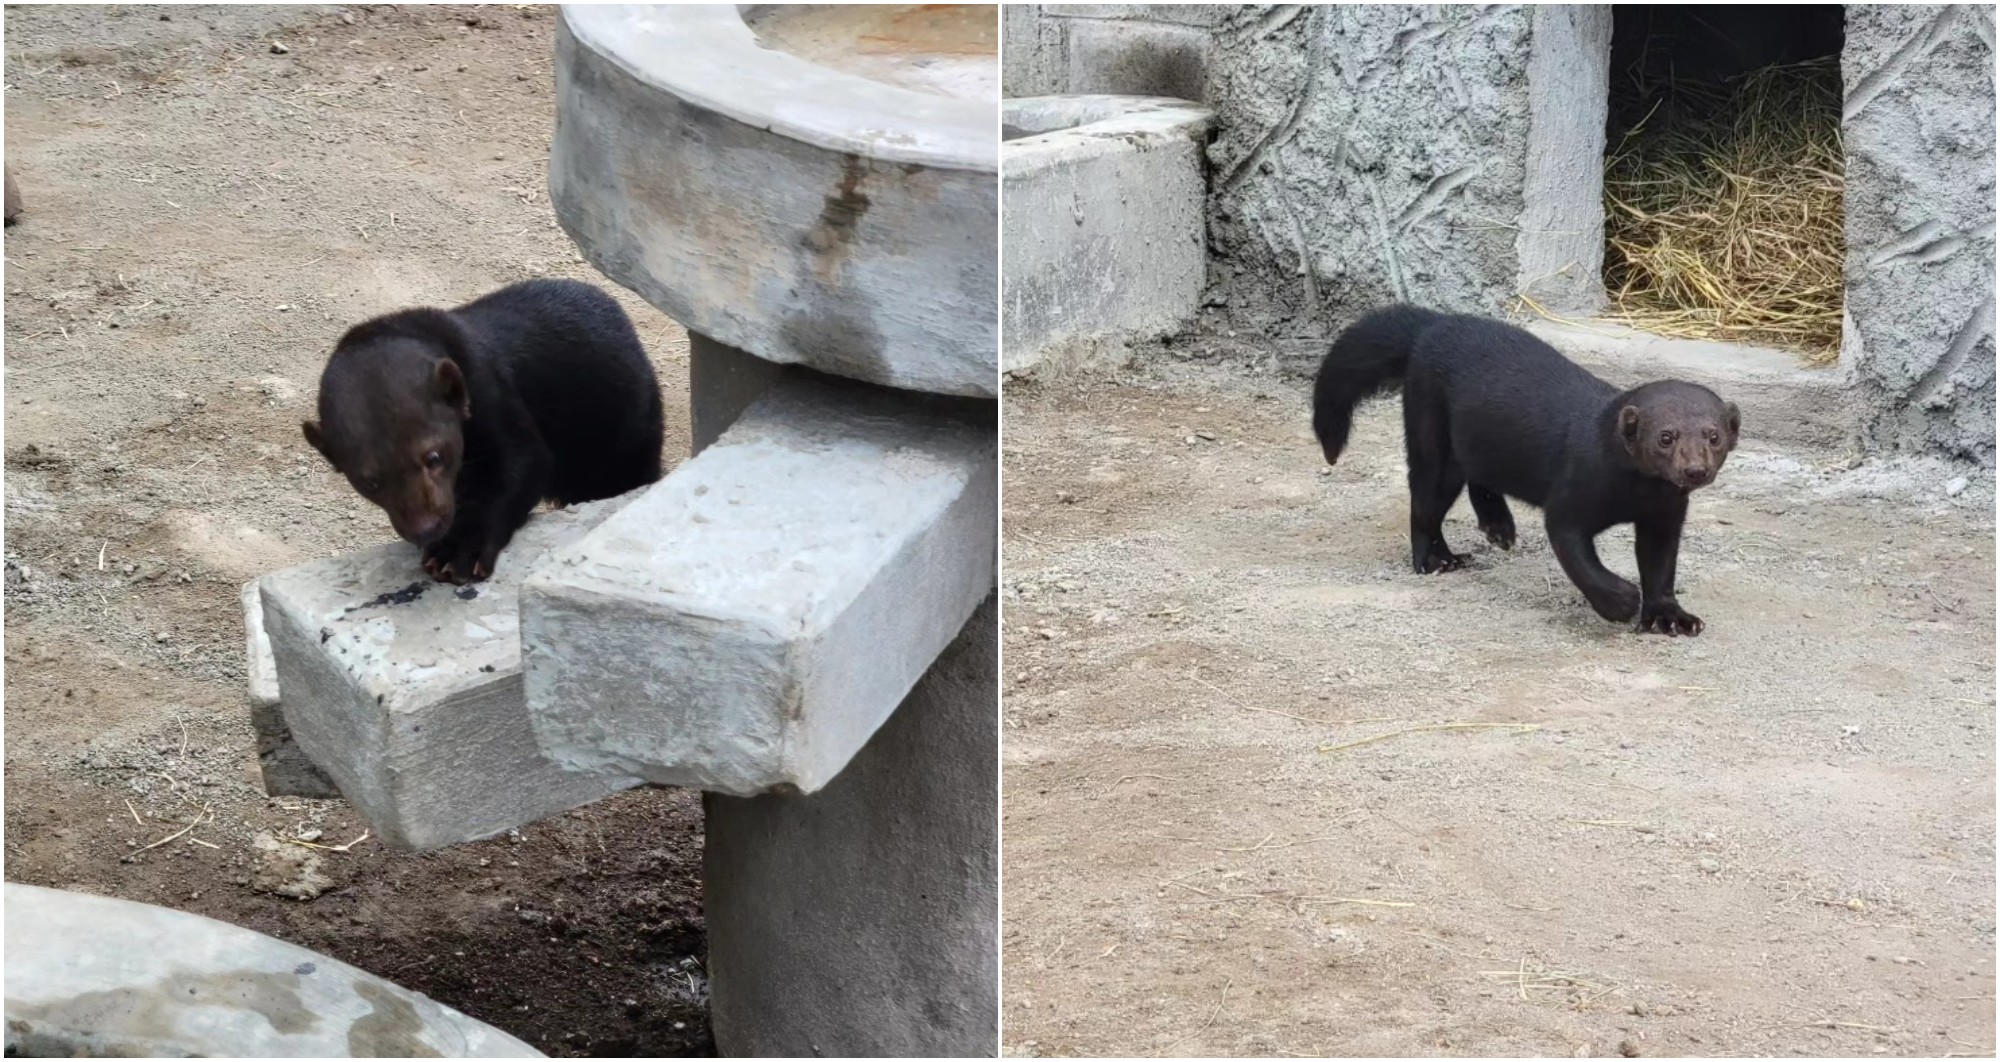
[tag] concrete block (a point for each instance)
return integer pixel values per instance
(796, 212)
(749, 621)
(407, 692)
(286, 769)
(1103, 222)
(862, 921)
(93, 977)
(1136, 58)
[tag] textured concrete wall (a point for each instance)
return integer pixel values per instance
(1453, 156)
(1919, 134)
(1365, 154)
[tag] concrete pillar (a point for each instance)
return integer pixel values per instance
(862, 920)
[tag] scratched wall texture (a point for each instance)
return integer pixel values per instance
(1918, 121)
(1371, 153)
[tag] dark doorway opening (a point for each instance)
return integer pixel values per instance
(1723, 173)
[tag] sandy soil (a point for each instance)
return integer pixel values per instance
(205, 214)
(1774, 839)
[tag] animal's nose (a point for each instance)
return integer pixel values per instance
(1695, 474)
(425, 527)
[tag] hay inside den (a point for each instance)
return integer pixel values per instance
(1723, 214)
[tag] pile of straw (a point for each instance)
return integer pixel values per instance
(1723, 213)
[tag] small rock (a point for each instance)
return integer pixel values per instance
(287, 870)
(278, 48)
(1710, 866)
(161, 637)
(310, 834)
(1957, 486)
(1207, 436)
(1628, 1049)
(347, 18)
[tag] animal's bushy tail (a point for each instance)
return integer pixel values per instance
(1369, 358)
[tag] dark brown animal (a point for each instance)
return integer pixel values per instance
(458, 422)
(1492, 411)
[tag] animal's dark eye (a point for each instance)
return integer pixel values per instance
(370, 486)
(1712, 437)
(1666, 438)
(433, 460)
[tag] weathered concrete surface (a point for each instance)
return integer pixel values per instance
(1781, 401)
(1103, 221)
(722, 382)
(1918, 129)
(1369, 154)
(749, 621)
(407, 692)
(94, 977)
(1116, 49)
(801, 214)
(863, 920)
(286, 770)
(1560, 242)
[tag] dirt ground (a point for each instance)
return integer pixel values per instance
(1774, 839)
(212, 196)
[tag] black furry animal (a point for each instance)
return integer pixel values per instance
(1490, 409)
(458, 422)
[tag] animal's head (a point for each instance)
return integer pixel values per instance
(1679, 432)
(392, 413)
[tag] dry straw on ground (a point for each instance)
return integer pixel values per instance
(1723, 211)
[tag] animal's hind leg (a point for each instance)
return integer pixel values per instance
(1435, 482)
(1433, 491)
(1495, 519)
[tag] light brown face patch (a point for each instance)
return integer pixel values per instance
(392, 419)
(1679, 432)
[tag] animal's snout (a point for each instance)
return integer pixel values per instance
(423, 528)
(1695, 475)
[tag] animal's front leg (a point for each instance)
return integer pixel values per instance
(1575, 549)
(1658, 542)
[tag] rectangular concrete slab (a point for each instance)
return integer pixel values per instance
(748, 622)
(285, 768)
(407, 692)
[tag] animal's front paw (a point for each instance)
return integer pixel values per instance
(1499, 532)
(1439, 559)
(1667, 618)
(460, 560)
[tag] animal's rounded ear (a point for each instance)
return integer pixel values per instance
(314, 437)
(451, 387)
(1732, 418)
(1628, 428)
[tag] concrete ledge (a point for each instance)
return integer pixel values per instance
(1782, 400)
(100, 978)
(1102, 223)
(801, 214)
(749, 621)
(286, 769)
(407, 692)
